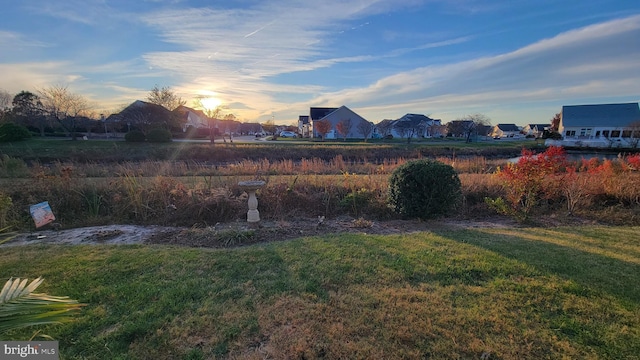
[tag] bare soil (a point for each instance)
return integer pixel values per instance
(264, 231)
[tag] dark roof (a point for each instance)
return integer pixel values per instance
(318, 113)
(539, 127)
(618, 115)
(508, 127)
(415, 119)
(183, 112)
(142, 107)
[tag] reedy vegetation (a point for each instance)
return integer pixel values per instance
(188, 193)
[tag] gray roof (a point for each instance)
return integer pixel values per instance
(508, 127)
(618, 115)
(318, 113)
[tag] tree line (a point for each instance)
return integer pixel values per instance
(57, 109)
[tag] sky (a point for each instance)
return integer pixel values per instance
(516, 61)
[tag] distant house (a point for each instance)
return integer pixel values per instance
(228, 127)
(603, 125)
(535, 130)
(317, 113)
(415, 125)
(460, 128)
(143, 116)
(191, 118)
(335, 116)
(304, 126)
(505, 131)
(251, 129)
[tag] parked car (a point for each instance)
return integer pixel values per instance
(286, 134)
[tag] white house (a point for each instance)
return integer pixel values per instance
(336, 115)
(535, 130)
(416, 125)
(304, 126)
(505, 131)
(601, 125)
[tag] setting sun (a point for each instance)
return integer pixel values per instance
(210, 103)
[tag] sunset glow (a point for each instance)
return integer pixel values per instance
(513, 61)
(210, 103)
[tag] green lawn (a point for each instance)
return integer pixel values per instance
(503, 293)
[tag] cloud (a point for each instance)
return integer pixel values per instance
(238, 52)
(31, 76)
(589, 62)
(12, 41)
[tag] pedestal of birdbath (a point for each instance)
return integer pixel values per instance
(250, 187)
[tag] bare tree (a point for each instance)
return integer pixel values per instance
(410, 129)
(165, 97)
(269, 127)
(229, 126)
(344, 127)
(213, 117)
(401, 129)
(365, 128)
(555, 122)
(64, 106)
(5, 103)
(384, 127)
(469, 125)
(322, 127)
(5, 100)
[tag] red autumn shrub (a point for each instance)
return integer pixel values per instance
(528, 180)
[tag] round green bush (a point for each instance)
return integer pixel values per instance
(424, 189)
(159, 136)
(12, 132)
(135, 136)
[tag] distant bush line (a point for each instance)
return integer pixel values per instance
(106, 151)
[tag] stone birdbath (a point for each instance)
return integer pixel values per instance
(250, 187)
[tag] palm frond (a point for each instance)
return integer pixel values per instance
(21, 307)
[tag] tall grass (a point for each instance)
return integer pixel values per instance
(17, 168)
(184, 193)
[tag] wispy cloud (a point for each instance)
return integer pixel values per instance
(549, 70)
(246, 48)
(10, 41)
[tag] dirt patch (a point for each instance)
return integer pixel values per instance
(240, 233)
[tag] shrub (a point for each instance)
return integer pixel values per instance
(135, 136)
(529, 180)
(357, 201)
(424, 189)
(159, 136)
(12, 132)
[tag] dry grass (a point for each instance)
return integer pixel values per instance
(185, 194)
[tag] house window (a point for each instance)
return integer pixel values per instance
(585, 132)
(597, 133)
(570, 133)
(605, 133)
(615, 133)
(626, 134)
